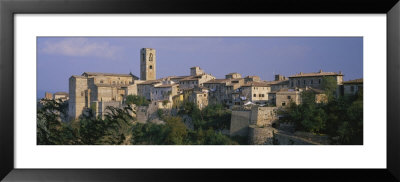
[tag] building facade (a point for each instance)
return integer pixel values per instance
(147, 64)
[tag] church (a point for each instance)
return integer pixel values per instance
(99, 90)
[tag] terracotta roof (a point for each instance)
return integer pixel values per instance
(190, 78)
(354, 81)
(256, 84)
(174, 77)
(111, 85)
(278, 82)
(217, 81)
(107, 74)
(149, 82)
(165, 86)
(316, 74)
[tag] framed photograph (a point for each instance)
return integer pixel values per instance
(102, 90)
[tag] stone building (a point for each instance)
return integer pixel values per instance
(200, 98)
(164, 92)
(145, 88)
(94, 90)
(233, 76)
(255, 92)
(48, 95)
(313, 80)
(194, 81)
(64, 96)
(252, 79)
(147, 64)
(352, 87)
(285, 97)
(280, 83)
(194, 71)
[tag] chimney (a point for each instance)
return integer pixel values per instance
(340, 72)
(320, 71)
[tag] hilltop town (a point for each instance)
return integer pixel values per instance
(254, 104)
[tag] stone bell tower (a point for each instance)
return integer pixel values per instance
(147, 64)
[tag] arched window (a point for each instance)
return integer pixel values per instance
(151, 57)
(151, 67)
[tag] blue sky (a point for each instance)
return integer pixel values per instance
(60, 57)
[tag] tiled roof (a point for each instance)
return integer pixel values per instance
(256, 84)
(107, 74)
(354, 81)
(149, 82)
(190, 78)
(279, 82)
(165, 85)
(316, 74)
(217, 81)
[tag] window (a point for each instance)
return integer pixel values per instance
(101, 81)
(283, 103)
(319, 81)
(311, 81)
(298, 82)
(151, 67)
(292, 84)
(259, 95)
(113, 82)
(255, 95)
(304, 82)
(151, 57)
(289, 97)
(352, 88)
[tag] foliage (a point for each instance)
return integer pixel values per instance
(88, 130)
(50, 129)
(165, 102)
(329, 85)
(214, 116)
(118, 127)
(341, 118)
(137, 100)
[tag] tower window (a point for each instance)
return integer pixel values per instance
(151, 67)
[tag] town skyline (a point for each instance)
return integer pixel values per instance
(219, 56)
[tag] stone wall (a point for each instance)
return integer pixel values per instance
(263, 116)
(77, 102)
(261, 135)
(240, 121)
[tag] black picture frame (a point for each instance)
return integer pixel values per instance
(8, 8)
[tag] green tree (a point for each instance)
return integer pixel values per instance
(50, 129)
(329, 85)
(137, 100)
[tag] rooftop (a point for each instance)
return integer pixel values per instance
(279, 82)
(354, 81)
(107, 74)
(232, 73)
(61, 93)
(165, 85)
(149, 82)
(217, 81)
(256, 84)
(320, 73)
